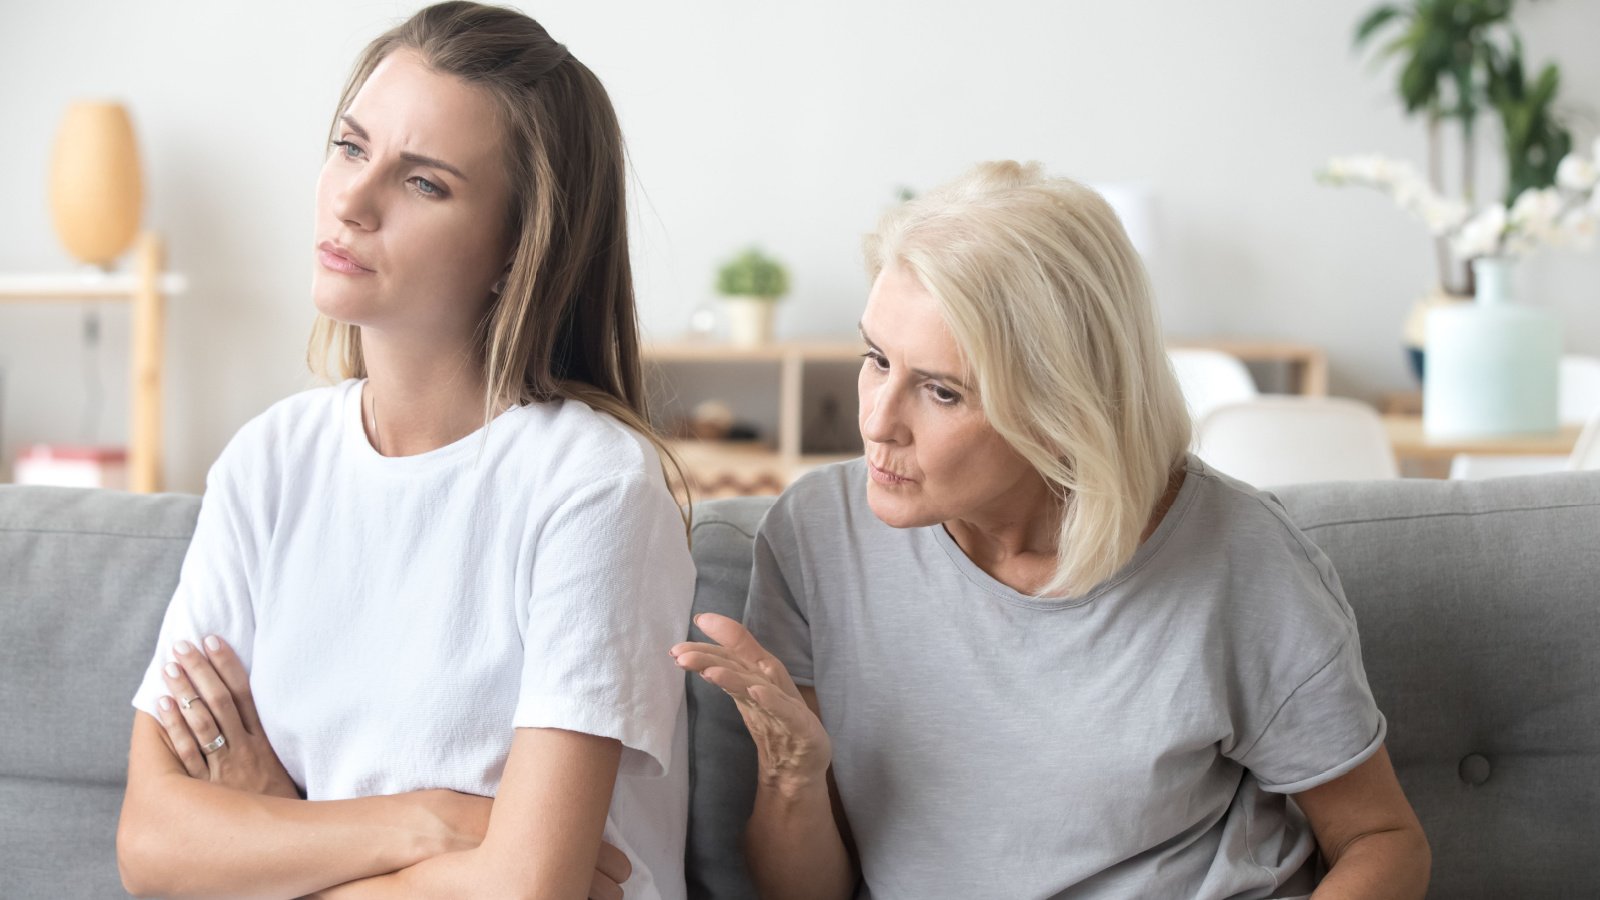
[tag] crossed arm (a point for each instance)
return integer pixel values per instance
(231, 822)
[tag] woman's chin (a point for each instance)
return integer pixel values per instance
(338, 302)
(897, 511)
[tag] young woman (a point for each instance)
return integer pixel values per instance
(450, 576)
(1029, 646)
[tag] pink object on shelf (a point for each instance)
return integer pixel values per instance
(65, 465)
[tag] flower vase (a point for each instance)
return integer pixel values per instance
(1414, 335)
(1491, 364)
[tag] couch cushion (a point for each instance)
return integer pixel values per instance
(722, 759)
(85, 577)
(58, 839)
(1480, 630)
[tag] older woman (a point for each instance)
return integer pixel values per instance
(1029, 646)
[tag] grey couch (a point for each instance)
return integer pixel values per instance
(1478, 605)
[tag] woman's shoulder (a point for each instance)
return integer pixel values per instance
(1269, 558)
(290, 425)
(579, 443)
(828, 499)
(1241, 514)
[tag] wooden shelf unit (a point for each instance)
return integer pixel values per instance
(1308, 363)
(732, 468)
(146, 290)
(718, 469)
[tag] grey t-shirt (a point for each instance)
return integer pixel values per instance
(1137, 742)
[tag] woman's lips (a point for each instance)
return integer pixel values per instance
(883, 477)
(338, 259)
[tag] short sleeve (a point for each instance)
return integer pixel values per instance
(1328, 725)
(215, 583)
(774, 613)
(612, 587)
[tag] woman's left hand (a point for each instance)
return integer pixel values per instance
(211, 722)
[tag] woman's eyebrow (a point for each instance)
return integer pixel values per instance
(417, 158)
(863, 329)
(931, 376)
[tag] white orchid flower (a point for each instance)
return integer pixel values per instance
(1577, 174)
(1444, 216)
(1482, 234)
(1581, 227)
(1535, 214)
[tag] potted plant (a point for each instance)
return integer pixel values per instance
(751, 285)
(1491, 366)
(1457, 59)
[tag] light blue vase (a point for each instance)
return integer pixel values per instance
(1492, 365)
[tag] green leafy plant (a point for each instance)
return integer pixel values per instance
(753, 274)
(1535, 139)
(1457, 59)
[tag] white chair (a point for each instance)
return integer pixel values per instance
(1274, 441)
(1579, 395)
(1211, 378)
(1577, 403)
(1586, 454)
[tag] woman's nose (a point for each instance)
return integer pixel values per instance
(880, 417)
(355, 201)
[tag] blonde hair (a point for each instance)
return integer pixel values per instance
(1051, 307)
(565, 324)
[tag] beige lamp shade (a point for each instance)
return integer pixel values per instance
(95, 194)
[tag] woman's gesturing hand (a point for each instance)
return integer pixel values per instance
(791, 744)
(211, 724)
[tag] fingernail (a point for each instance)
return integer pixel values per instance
(165, 703)
(172, 670)
(182, 648)
(212, 643)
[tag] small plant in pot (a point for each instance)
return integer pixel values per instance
(751, 285)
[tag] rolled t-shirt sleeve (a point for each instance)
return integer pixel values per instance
(214, 591)
(1327, 726)
(612, 587)
(774, 613)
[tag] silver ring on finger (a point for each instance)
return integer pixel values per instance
(214, 745)
(186, 702)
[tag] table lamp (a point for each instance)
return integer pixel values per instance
(95, 191)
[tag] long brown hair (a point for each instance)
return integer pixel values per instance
(564, 324)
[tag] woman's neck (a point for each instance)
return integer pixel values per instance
(420, 400)
(1014, 537)
(1017, 544)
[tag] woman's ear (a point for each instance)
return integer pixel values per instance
(500, 283)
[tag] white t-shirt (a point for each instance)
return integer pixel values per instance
(400, 616)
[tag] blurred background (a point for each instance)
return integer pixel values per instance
(787, 126)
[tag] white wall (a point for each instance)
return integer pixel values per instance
(788, 124)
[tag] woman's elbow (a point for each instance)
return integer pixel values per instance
(133, 861)
(140, 847)
(1422, 857)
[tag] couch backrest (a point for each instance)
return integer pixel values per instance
(1477, 603)
(84, 579)
(1479, 610)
